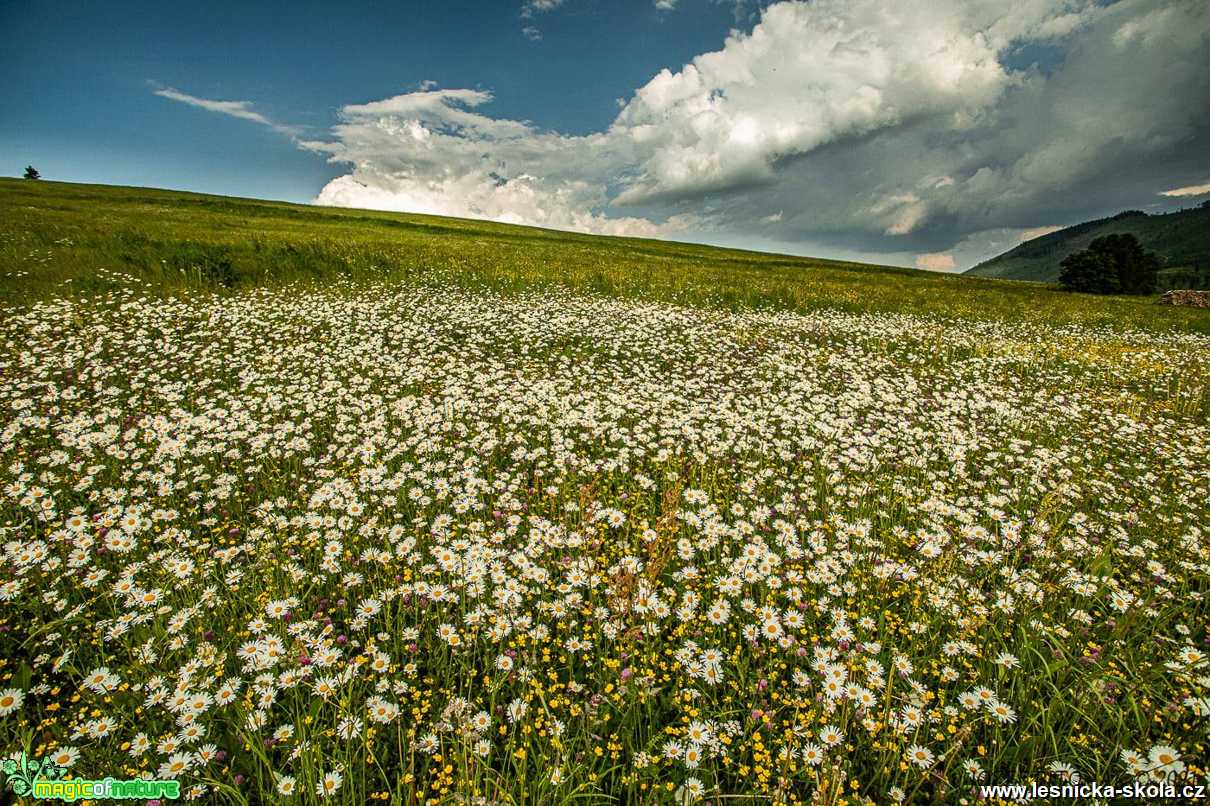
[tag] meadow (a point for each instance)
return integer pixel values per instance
(331, 506)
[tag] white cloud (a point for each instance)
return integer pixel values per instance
(1037, 232)
(903, 212)
(665, 5)
(533, 7)
(935, 261)
(894, 131)
(431, 152)
(1189, 190)
(236, 109)
(808, 74)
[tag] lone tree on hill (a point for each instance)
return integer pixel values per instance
(32, 173)
(1113, 264)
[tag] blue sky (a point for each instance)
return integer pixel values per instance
(917, 133)
(78, 105)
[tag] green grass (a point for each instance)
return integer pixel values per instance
(475, 514)
(59, 239)
(1196, 277)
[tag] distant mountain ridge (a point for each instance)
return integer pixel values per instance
(1180, 239)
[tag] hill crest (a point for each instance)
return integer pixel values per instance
(1181, 239)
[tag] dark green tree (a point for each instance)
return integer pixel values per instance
(1136, 269)
(32, 173)
(1112, 264)
(1088, 273)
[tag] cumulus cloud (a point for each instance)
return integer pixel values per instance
(432, 152)
(1188, 190)
(236, 109)
(911, 131)
(809, 74)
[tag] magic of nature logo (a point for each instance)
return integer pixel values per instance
(43, 780)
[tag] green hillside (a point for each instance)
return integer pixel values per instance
(1181, 239)
(60, 239)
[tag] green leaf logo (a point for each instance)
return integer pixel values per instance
(23, 773)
